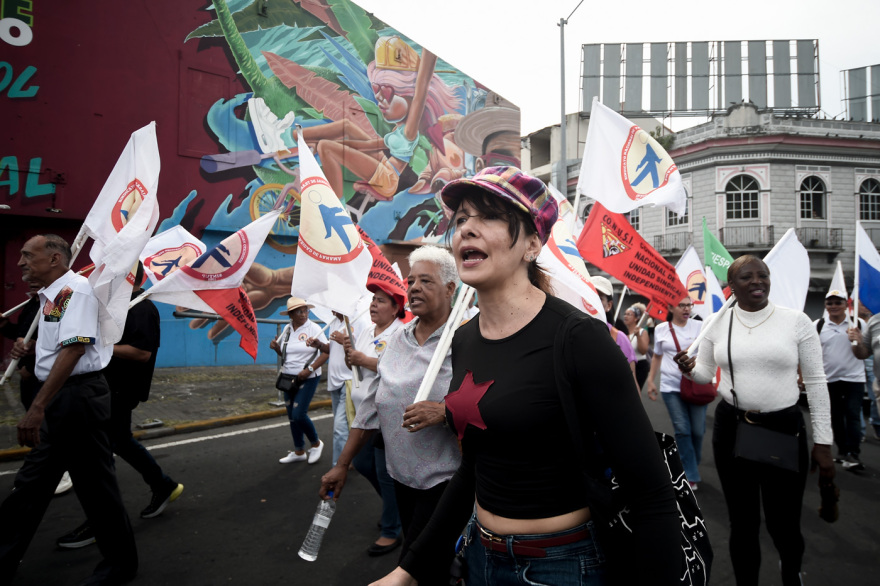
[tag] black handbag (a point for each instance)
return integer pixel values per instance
(608, 506)
(766, 438)
(289, 383)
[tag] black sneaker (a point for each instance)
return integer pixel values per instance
(79, 537)
(161, 499)
(853, 464)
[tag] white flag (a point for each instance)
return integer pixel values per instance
(690, 273)
(332, 263)
(222, 266)
(867, 281)
(624, 167)
(170, 250)
(568, 273)
(716, 293)
(789, 266)
(567, 213)
(121, 222)
(212, 282)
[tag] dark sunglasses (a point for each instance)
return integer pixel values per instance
(834, 302)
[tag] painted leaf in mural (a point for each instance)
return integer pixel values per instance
(322, 10)
(324, 95)
(250, 19)
(358, 27)
(280, 99)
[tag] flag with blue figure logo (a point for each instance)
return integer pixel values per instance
(563, 263)
(867, 287)
(209, 278)
(121, 221)
(690, 273)
(716, 293)
(625, 167)
(332, 262)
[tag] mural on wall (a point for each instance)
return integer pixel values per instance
(389, 122)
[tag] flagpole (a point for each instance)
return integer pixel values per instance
(692, 351)
(461, 303)
(356, 375)
(856, 282)
(620, 302)
(15, 309)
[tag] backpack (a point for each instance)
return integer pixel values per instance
(607, 504)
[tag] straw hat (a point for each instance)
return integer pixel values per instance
(294, 303)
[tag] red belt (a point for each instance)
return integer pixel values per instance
(536, 548)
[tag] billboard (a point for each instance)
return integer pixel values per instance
(861, 87)
(702, 78)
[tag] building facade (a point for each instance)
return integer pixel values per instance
(753, 175)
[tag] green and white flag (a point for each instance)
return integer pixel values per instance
(716, 256)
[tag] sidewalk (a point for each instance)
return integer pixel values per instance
(183, 399)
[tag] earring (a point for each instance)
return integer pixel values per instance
(530, 257)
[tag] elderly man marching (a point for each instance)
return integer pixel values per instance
(67, 424)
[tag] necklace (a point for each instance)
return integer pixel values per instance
(750, 328)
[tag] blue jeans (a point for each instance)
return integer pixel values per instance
(370, 462)
(576, 564)
(340, 421)
(297, 406)
(689, 423)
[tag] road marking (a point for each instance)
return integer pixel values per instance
(209, 437)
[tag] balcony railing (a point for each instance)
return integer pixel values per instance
(827, 238)
(747, 236)
(675, 242)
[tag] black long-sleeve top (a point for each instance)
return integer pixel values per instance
(518, 455)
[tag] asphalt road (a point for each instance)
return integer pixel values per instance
(242, 518)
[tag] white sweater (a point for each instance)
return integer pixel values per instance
(765, 362)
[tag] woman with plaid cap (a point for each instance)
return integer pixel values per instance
(531, 520)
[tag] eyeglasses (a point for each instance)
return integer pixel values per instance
(685, 305)
(834, 302)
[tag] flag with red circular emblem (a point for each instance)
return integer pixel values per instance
(332, 263)
(212, 280)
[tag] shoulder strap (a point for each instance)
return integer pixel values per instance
(729, 357)
(820, 324)
(674, 337)
(563, 383)
(288, 329)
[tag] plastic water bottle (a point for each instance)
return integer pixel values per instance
(312, 543)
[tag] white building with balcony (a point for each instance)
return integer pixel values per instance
(753, 175)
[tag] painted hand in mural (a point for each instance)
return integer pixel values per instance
(263, 286)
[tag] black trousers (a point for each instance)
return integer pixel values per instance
(128, 448)
(747, 485)
(846, 409)
(416, 507)
(74, 438)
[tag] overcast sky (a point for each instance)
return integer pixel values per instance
(512, 46)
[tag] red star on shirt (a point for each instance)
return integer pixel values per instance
(463, 403)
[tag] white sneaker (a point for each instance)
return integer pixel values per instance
(293, 457)
(315, 453)
(65, 484)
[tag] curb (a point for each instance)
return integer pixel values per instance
(11, 454)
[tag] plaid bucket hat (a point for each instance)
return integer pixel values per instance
(509, 183)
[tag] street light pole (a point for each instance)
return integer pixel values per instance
(562, 170)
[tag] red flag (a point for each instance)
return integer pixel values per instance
(234, 306)
(612, 244)
(381, 273)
